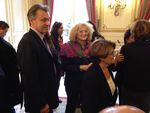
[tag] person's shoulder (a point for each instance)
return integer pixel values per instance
(26, 40)
(23, 39)
(7, 45)
(125, 46)
(30, 33)
(94, 67)
(28, 36)
(129, 45)
(92, 73)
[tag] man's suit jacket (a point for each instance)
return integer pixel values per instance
(37, 73)
(133, 73)
(96, 94)
(9, 82)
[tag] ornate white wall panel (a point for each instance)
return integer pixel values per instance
(113, 27)
(110, 22)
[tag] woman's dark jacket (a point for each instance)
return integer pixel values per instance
(96, 93)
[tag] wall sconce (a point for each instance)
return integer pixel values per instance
(117, 5)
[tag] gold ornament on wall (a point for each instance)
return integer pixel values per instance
(117, 5)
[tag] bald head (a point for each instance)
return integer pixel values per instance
(122, 109)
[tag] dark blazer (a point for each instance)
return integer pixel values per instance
(37, 73)
(96, 94)
(72, 70)
(133, 73)
(9, 81)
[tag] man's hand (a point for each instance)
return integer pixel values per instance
(85, 67)
(45, 109)
(119, 58)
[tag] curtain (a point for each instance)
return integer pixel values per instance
(91, 9)
(50, 4)
(147, 12)
(144, 12)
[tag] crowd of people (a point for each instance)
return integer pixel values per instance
(86, 61)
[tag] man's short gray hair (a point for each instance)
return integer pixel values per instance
(32, 11)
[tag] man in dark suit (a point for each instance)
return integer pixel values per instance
(9, 75)
(36, 64)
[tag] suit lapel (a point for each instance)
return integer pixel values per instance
(34, 35)
(100, 72)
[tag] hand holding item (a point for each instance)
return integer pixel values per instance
(118, 58)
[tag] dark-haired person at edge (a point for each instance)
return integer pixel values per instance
(10, 86)
(134, 70)
(57, 42)
(128, 38)
(99, 89)
(36, 62)
(95, 34)
(75, 61)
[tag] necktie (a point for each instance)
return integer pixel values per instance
(49, 50)
(45, 43)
